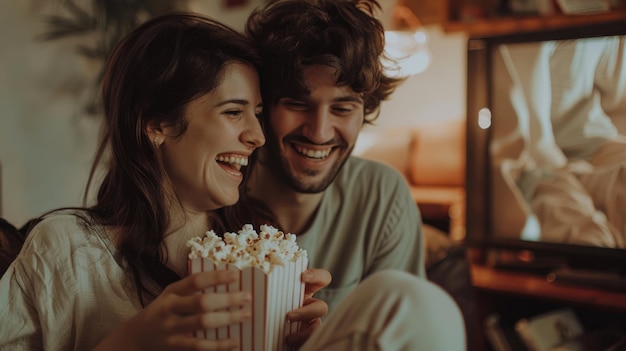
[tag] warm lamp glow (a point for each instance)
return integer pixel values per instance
(407, 53)
(405, 44)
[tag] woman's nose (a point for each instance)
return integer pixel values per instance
(254, 134)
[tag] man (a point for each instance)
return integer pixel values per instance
(322, 81)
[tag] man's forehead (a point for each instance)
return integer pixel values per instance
(334, 94)
(321, 81)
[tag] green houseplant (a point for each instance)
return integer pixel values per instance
(99, 27)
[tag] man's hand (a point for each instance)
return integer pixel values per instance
(309, 315)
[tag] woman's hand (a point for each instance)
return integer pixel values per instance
(312, 310)
(169, 322)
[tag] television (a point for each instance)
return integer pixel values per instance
(546, 156)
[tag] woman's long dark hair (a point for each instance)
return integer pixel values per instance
(150, 78)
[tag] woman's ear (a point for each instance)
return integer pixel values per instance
(155, 134)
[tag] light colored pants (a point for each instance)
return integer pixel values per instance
(607, 185)
(392, 310)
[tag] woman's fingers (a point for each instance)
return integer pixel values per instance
(211, 320)
(201, 303)
(218, 345)
(200, 281)
(191, 310)
(185, 342)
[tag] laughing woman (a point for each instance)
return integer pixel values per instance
(181, 95)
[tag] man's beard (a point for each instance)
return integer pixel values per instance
(279, 166)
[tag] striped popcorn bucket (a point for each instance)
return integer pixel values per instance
(273, 295)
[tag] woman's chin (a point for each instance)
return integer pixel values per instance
(229, 200)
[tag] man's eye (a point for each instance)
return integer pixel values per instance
(258, 114)
(295, 105)
(342, 110)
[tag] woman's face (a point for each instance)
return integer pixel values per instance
(204, 163)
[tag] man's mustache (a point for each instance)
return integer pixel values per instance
(304, 140)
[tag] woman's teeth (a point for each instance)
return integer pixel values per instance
(319, 154)
(236, 161)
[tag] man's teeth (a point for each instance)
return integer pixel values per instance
(241, 161)
(314, 153)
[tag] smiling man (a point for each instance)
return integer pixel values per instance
(313, 135)
(322, 80)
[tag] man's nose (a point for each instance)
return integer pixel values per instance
(319, 127)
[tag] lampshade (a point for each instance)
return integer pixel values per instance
(406, 47)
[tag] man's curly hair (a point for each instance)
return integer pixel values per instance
(342, 34)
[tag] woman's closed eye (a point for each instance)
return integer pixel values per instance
(234, 113)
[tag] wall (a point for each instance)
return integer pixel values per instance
(47, 141)
(436, 94)
(45, 145)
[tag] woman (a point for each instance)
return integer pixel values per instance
(181, 100)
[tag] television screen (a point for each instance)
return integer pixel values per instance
(546, 157)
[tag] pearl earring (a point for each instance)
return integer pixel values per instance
(156, 141)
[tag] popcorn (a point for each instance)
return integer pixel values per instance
(270, 265)
(247, 248)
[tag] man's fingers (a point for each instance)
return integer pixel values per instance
(315, 279)
(312, 309)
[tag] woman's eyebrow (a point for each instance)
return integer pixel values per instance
(233, 101)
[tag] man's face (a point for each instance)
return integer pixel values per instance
(310, 139)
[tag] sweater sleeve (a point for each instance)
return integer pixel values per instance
(401, 245)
